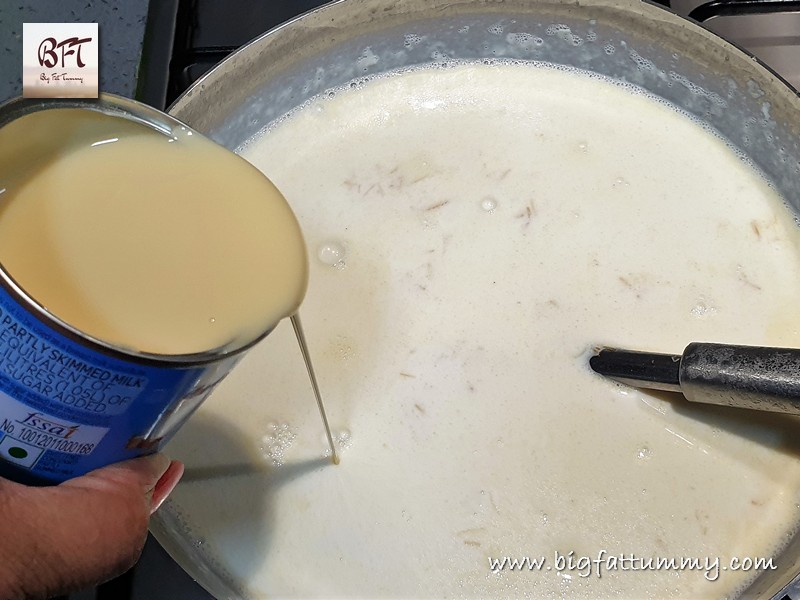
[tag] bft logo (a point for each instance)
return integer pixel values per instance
(48, 57)
(60, 60)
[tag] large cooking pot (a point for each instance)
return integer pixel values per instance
(625, 39)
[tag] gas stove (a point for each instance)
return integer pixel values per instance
(204, 32)
(768, 29)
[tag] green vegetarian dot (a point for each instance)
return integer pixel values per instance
(17, 452)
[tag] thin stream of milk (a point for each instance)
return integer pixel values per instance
(297, 325)
(479, 229)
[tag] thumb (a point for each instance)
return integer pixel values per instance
(81, 532)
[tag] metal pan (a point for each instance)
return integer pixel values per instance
(624, 39)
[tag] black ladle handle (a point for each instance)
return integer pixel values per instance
(752, 377)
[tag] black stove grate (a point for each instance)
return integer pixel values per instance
(736, 8)
(207, 31)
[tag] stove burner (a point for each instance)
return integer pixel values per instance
(207, 31)
(735, 8)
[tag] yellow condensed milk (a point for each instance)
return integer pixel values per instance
(137, 262)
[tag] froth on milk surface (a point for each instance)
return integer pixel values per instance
(164, 244)
(477, 230)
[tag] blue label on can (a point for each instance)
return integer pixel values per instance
(67, 408)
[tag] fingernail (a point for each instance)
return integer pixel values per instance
(166, 484)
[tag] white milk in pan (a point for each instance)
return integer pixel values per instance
(480, 228)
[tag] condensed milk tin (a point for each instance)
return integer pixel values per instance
(68, 406)
(138, 260)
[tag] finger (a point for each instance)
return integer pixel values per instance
(79, 533)
(166, 484)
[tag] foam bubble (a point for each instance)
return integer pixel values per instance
(703, 308)
(332, 253)
(411, 39)
(620, 182)
(642, 63)
(278, 439)
(489, 204)
(699, 90)
(565, 33)
(342, 439)
(524, 40)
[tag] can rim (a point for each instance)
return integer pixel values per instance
(132, 110)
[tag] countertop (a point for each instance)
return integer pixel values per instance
(122, 25)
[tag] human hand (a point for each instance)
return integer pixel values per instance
(58, 539)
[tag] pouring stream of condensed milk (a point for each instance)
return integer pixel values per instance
(167, 245)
